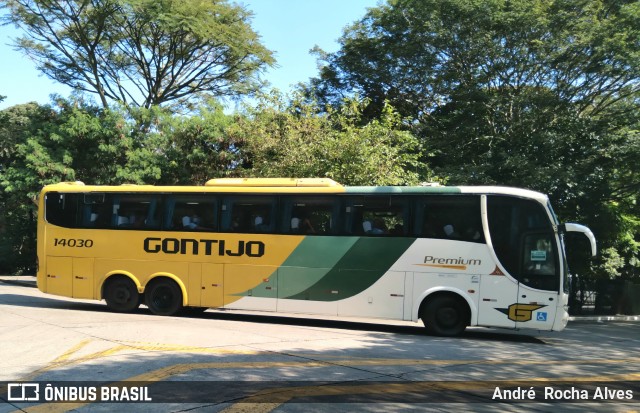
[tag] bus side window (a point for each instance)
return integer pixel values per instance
(191, 213)
(63, 209)
(455, 217)
(309, 215)
(92, 208)
(135, 211)
(378, 215)
(249, 214)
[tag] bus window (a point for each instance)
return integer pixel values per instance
(523, 240)
(96, 210)
(63, 209)
(455, 217)
(377, 215)
(309, 215)
(249, 214)
(135, 211)
(191, 213)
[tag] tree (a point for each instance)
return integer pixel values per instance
(296, 139)
(18, 189)
(42, 145)
(142, 52)
(189, 150)
(423, 55)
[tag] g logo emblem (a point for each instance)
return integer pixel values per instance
(522, 312)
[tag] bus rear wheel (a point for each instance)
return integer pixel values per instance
(163, 297)
(121, 294)
(445, 315)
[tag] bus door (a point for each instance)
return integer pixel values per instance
(523, 242)
(59, 276)
(211, 283)
(498, 290)
(539, 281)
(83, 278)
(497, 293)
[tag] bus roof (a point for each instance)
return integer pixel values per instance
(294, 185)
(494, 190)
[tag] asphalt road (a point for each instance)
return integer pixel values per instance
(223, 361)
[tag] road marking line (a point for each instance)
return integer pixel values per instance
(185, 349)
(72, 350)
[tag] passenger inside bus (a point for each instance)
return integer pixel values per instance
(192, 221)
(302, 224)
(375, 227)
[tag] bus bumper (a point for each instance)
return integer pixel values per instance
(561, 319)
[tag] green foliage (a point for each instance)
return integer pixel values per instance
(43, 145)
(425, 55)
(296, 139)
(198, 147)
(142, 52)
(19, 130)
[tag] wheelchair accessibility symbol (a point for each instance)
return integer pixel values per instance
(541, 316)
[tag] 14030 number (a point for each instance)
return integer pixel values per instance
(72, 242)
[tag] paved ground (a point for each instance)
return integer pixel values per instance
(236, 362)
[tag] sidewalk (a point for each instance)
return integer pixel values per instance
(30, 281)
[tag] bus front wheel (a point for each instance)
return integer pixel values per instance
(445, 315)
(121, 294)
(163, 297)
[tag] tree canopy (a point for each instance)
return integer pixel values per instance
(424, 55)
(142, 52)
(293, 138)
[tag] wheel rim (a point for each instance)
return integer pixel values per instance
(162, 298)
(447, 317)
(121, 295)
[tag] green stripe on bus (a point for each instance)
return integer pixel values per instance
(319, 252)
(306, 265)
(368, 260)
(310, 262)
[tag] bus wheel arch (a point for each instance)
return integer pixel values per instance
(120, 292)
(445, 313)
(163, 295)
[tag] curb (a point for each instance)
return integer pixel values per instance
(23, 281)
(603, 318)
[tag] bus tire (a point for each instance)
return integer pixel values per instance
(163, 297)
(121, 294)
(445, 315)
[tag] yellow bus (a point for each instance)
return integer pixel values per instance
(450, 256)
